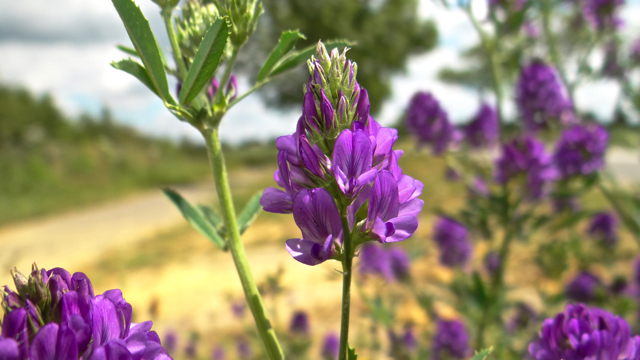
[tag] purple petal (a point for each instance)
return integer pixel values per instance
(136, 344)
(232, 88)
(404, 227)
(106, 324)
(81, 283)
(64, 274)
(113, 350)
(309, 111)
(66, 346)
(9, 349)
(408, 188)
(305, 251)
(383, 201)
(362, 112)
(123, 310)
(43, 345)
(327, 111)
(310, 159)
(14, 325)
(316, 214)
(352, 156)
(411, 208)
(384, 140)
(276, 201)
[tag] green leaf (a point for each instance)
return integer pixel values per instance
(298, 57)
(480, 291)
(134, 68)
(145, 44)
(249, 213)
(285, 44)
(128, 50)
(351, 354)
(195, 218)
(212, 216)
(482, 355)
(206, 60)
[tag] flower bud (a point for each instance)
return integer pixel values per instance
(194, 23)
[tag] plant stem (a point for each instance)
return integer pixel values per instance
(552, 43)
(252, 295)
(249, 92)
(496, 71)
(177, 55)
(346, 286)
(226, 75)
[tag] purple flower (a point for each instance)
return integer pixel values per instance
(491, 262)
(330, 347)
(604, 227)
(484, 129)
(452, 174)
(170, 341)
(402, 345)
(602, 14)
(580, 150)
(583, 333)
(583, 287)
(54, 315)
(244, 349)
(526, 157)
(299, 323)
(479, 187)
(352, 161)
(452, 239)
(428, 122)
(391, 263)
(230, 91)
(316, 214)
(237, 308)
(218, 353)
(542, 99)
(385, 219)
(451, 340)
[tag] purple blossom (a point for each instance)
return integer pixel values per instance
(580, 150)
(452, 174)
(352, 161)
(428, 122)
(300, 323)
(316, 214)
(583, 333)
(584, 287)
(526, 157)
(391, 263)
(479, 187)
(452, 239)
(531, 29)
(604, 227)
(244, 349)
(230, 91)
(218, 353)
(484, 129)
(55, 315)
(542, 99)
(191, 350)
(523, 316)
(602, 14)
(451, 340)
(404, 344)
(238, 308)
(170, 341)
(330, 347)
(491, 262)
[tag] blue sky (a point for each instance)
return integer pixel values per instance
(65, 47)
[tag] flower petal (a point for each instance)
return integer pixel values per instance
(383, 201)
(316, 214)
(9, 349)
(43, 345)
(305, 251)
(106, 324)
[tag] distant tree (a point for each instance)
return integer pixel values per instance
(387, 32)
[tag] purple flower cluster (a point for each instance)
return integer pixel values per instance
(231, 90)
(428, 122)
(542, 99)
(526, 158)
(452, 239)
(602, 14)
(330, 347)
(584, 287)
(451, 340)
(604, 227)
(580, 150)
(484, 129)
(391, 263)
(55, 315)
(582, 333)
(300, 324)
(340, 164)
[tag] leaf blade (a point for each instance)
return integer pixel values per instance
(250, 212)
(285, 44)
(206, 60)
(134, 68)
(296, 58)
(195, 218)
(483, 354)
(145, 45)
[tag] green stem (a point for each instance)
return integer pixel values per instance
(496, 71)
(346, 286)
(177, 55)
(252, 295)
(249, 92)
(226, 75)
(552, 43)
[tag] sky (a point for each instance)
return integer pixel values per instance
(64, 48)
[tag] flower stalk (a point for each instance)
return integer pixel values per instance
(252, 295)
(177, 54)
(347, 265)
